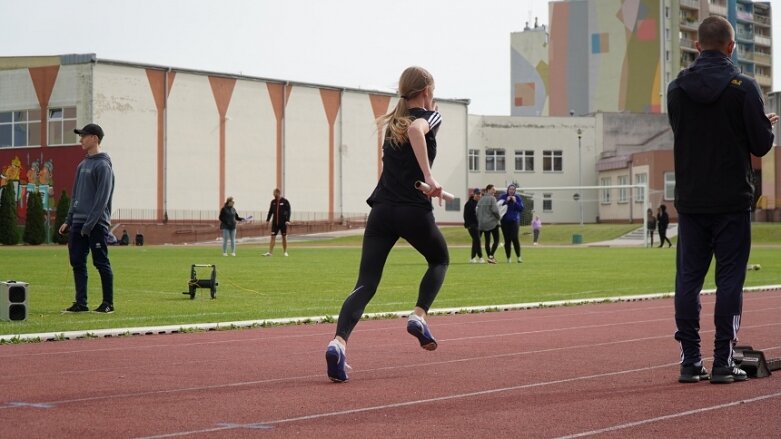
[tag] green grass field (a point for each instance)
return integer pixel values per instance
(318, 275)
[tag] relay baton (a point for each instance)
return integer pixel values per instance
(423, 187)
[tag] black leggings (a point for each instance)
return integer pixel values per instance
(475, 234)
(510, 232)
(488, 234)
(386, 224)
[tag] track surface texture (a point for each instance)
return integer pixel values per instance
(604, 370)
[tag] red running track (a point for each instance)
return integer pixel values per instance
(607, 370)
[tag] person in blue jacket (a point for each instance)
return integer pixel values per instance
(511, 221)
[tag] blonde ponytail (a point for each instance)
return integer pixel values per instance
(412, 82)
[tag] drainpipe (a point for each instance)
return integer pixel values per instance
(165, 145)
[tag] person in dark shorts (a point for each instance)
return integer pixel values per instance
(279, 215)
(399, 210)
(718, 122)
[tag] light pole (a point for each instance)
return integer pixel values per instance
(580, 180)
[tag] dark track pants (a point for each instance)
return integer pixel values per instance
(490, 249)
(476, 250)
(386, 224)
(700, 238)
(78, 248)
(510, 232)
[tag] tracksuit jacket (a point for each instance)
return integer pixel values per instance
(725, 100)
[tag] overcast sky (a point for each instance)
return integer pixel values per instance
(351, 43)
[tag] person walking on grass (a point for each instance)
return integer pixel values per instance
(228, 220)
(718, 123)
(399, 210)
(536, 229)
(279, 211)
(662, 222)
(511, 221)
(470, 223)
(651, 226)
(89, 220)
(488, 222)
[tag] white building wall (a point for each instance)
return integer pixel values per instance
(450, 165)
(539, 134)
(17, 92)
(306, 154)
(193, 146)
(124, 107)
(357, 162)
(250, 147)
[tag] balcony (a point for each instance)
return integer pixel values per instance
(762, 20)
(762, 40)
(689, 24)
(764, 81)
(762, 58)
(718, 10)
(688, 44)
(691, 4)
(745, 16)
(745, 36)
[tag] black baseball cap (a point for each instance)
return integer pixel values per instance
(90, 128)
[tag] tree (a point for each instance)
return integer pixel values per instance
(63, 205)
(8, 219)
(34, 228)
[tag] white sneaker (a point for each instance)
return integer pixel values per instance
(509, 260)
(233, 254)
(482, 261)
(285, 253)
(535, 243)
(520, 260)
(473, 261)
(225, 254)
(267, 254)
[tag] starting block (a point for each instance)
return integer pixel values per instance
(195, 283)
(754, 362)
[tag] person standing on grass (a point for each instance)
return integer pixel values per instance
(718, 123)
(488, 221)
(228, 220)
(662, 222)
(536, 229)
(89, 220)
(651, 226)
(399, 210)
(279, 210)
(511, 221)
(470, 223)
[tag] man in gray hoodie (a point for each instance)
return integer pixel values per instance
(89, 219)
(488, 221)
(718, 123)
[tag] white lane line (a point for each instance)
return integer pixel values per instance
(672, 416)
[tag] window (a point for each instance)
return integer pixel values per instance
(62, 122)
(623, 193)
(454, 205)
(524, 160)
(605, 193)
(669, 185)
(547, 202)
(494, 160)
(552, 161)
(640, 192)
(20, 128)
(474, 160)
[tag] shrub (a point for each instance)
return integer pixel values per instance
(8, 219)
(34, 228)
(63, 205)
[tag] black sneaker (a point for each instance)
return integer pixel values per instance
(76, 308)
(728, 374)
(105, 308)
(693, 373)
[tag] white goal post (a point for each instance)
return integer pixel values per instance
(634, 191)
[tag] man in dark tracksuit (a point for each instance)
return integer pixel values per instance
(280, 211)
(718, 121)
